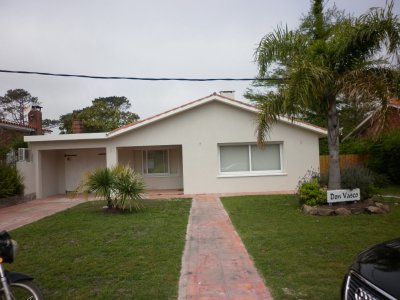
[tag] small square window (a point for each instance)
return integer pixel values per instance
(155, 162)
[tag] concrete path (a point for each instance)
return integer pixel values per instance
(215, 264)
(15, 216)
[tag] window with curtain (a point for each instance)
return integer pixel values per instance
(250, 158)
(155, 162)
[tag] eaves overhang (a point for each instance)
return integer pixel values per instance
(16, 127)
(65, 137)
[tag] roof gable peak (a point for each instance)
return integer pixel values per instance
(180, 109)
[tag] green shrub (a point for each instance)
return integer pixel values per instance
(128, 187)
(18, 142)
(100, 182)
(384, 156)
(359, 177)
(4, 149)
(309, 191)
(11, 182)
(381, 180)
(323, 146)
(356, 146)
(119, 186)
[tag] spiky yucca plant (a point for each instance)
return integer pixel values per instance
(119, 186)
(128, 187)
(99, 182)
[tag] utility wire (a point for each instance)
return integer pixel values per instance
(136, 78)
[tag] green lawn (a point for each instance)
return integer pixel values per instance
(85, 253)
(303, 256)
(390, 190)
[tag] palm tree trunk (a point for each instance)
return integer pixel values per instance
(333, 145)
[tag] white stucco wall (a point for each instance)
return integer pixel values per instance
(201, 130)
(27, 170)
(51, 169)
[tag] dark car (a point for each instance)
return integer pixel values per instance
(375, 274)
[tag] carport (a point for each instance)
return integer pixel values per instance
(61, 171)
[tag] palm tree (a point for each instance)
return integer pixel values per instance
(332, 57)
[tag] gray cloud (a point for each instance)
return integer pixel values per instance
(173, 38)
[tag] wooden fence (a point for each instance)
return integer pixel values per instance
(346, 160)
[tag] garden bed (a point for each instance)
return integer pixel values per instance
(349, 208)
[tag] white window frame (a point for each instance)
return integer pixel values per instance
(145, 163)
(251, 172)
(24, 154)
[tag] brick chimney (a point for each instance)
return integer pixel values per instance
(77, 126)
(228, 94)
(35, 119)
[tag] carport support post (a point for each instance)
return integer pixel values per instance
(111, 156)
(37, 160)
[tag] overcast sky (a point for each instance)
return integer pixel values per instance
(148, 38)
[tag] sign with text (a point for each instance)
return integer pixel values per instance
(342, 195)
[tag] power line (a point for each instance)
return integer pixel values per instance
(134, 78)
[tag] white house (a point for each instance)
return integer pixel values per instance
(205, 146)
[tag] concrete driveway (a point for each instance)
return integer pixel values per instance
(15, 216)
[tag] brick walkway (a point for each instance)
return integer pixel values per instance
(215, 264)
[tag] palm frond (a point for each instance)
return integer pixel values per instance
(307, 85)
(120, 186)
(270, 108)
(99, 182)
(368, 84)
(372, 32)
(129, 188)
(380, 121)
(278, 48)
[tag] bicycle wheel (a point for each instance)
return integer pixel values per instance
(25, 290)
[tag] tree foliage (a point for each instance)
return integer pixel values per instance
(49, 123)
(14, 105)
(105, 114)
(16, 141)
(384, 155)
(11, 181)
(330, 60)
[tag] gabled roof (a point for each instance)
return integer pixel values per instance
(18, 127)
(169, 113)
(393, 104)
(15, 126)
(202, 101)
